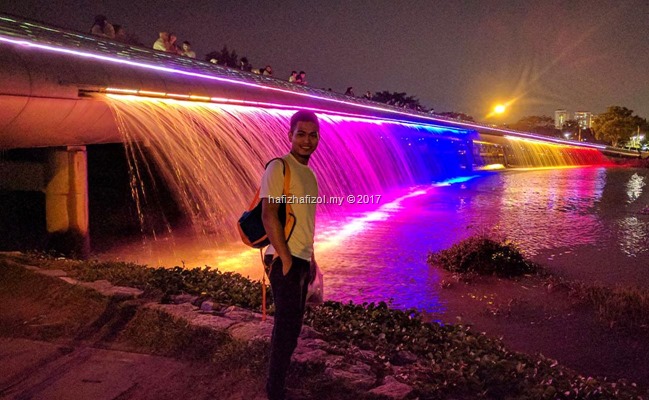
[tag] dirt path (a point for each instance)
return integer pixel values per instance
(40, 370)
(58, 341)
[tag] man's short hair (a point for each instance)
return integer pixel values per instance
(303, 116)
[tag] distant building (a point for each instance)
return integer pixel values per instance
(560, 118)
(584, 118)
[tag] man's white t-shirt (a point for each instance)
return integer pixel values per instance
(303, 192)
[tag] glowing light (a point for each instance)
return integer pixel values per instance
(124, 91)
(551, 141)
(200, 98)
(490, 167)
(499, 109)
(178, 96)
(116, 93)
(149, 93)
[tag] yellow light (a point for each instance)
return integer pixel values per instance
(200, 98)
(499, 109)
(150, 93)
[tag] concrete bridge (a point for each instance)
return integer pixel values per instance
(49, 79)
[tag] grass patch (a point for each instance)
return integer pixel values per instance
(161, 334)
(626, 308)
(483, 256)
(222, 287)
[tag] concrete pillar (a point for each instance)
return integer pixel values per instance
(66, 201)
(469, 156)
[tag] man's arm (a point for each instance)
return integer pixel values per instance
(275, 232)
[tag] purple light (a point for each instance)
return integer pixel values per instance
(237, 82)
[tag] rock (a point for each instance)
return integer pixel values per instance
(392, 388)
(183, 298)
(359, 379)
(207, 306)
(188, 312)
(107, 289)
(240, 314)
(403, 357)
(247, 331)
(367, 354)
(311, 357)
(57, 273)
(310, 333)
(69, 280)
(306, 344)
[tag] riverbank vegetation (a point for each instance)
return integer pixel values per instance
(483, 256)
(438, 360)
(616, 307)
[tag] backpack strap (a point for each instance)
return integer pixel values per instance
(289, 224)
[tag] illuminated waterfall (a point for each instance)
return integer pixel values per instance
(513, 152)
(212, 156)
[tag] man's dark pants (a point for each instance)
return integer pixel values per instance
(289, 295)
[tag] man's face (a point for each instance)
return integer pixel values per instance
(304, 138)
(185, 47)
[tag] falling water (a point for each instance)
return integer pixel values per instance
(522, 153)
(212, 156)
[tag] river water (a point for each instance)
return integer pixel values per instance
(587, 223)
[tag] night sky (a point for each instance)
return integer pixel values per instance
(459, 56)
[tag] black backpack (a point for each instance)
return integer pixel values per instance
(250, 226)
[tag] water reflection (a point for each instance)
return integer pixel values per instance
(634, 187)
(378, 253)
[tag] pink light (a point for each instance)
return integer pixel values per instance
(242, 83)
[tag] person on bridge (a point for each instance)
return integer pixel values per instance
(187, 50)
(301, 78)
(291, 262)
(162, 44)
(103, 28)
(172, 47)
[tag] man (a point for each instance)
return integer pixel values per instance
(301, 78)
(187, 50)
(290, 261)
(162, 44)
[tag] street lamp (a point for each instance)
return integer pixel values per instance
(500, 108)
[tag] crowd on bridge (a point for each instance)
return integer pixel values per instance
(168, 42)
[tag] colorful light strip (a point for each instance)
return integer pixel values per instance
(244, 103)
(222, 100)
(516, 138)
(286, 91)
